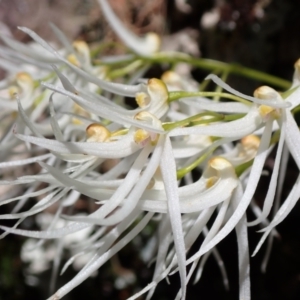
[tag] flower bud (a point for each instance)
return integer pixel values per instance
(217, 167)
(267, 93)
(141, 137)
(211, 181)
(148, 118)
(12, 91)
(296, 76)
(171, 79)
(250, 142)
(142, 99)
(97, 133)
(73, 60)
(153, 40)
(157, 90)
(219, 163)
(25, 82)
(82, 48)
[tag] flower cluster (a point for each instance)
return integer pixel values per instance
(133, 166)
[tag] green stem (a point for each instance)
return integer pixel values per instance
(219, 89)
(124, 71)
(190, 120)
(207, 121)
(182, 172)
(173, 96)
(193, 120)
(239, 170)
(289, 92)
(95, 51)
(210, 64)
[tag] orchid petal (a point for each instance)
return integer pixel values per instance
(168, 170)
(282, 213)
(117, 149)
(225, 86)
(243, 249)
(225, 107)
(273, 183)
(293, 137)
(116, 88)
(102, 259)
(143, 47)
(247, 196)
(237, 129)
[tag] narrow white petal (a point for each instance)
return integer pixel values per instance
(46, 202)
(282, 213)
(243, 249)
(104, 111)
(217, 222)
(22, 162)
(268, 203)
(64, 80)
(225, 86)
(24, 49)
(164, 236)
(294, 98)
(132, 200)
(293, 137)
(234, 129)
(226, 107)
(54, 124)
(197, 197)
(27, 121)
(248, 194)
(86, 189)
(61, 37)
(168, 171)
(51, 234)
(102, 259)
(8, 105)
(117, 88)
(138, 45)
(29, 193)
(122, 191)
(274, 233)
(117, 149)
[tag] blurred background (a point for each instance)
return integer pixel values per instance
(260, 34)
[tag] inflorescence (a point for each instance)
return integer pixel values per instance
(66, 112)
